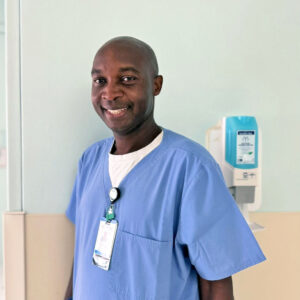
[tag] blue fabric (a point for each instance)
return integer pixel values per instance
(176, 219)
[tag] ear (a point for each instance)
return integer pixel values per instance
(157, 85)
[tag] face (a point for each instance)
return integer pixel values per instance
(123, 89)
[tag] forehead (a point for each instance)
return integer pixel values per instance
(121, 56)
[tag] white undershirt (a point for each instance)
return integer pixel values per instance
(120, 165)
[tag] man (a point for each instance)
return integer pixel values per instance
(153, 217)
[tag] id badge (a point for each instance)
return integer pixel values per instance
(105, 243)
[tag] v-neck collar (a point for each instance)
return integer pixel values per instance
(150, 158)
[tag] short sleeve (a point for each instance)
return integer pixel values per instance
(71, 210)
(219, 240)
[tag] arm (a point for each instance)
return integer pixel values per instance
(216, 290)
(69, 291)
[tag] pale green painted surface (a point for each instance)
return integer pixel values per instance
(218, 58)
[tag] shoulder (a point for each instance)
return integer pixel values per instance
(187, 148)
(95, 151)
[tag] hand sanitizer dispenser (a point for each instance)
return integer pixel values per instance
(234, 143)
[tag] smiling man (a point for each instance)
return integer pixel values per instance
(153, 217)
(125, 81)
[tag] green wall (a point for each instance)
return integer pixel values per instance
(218, 58)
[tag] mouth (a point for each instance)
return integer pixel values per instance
(116, 112)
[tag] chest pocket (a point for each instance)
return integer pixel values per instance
(139, 267)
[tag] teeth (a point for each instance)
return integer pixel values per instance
(116, 111)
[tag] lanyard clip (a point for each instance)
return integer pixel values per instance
(114, 194)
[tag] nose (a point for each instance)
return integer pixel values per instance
(111, 91)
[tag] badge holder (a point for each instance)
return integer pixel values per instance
(106, 234)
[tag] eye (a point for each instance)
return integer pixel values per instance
(128, 79)
(100, 81)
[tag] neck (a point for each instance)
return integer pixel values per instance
(135, 140)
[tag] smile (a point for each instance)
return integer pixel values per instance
(116, 111)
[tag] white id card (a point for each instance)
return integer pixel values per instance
(105, 243)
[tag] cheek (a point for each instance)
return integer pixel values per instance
(96, 105)
(95, 98)
(144, 108)
(95, 93)
(94, 102)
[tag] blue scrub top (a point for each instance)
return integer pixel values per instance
(176, 220)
